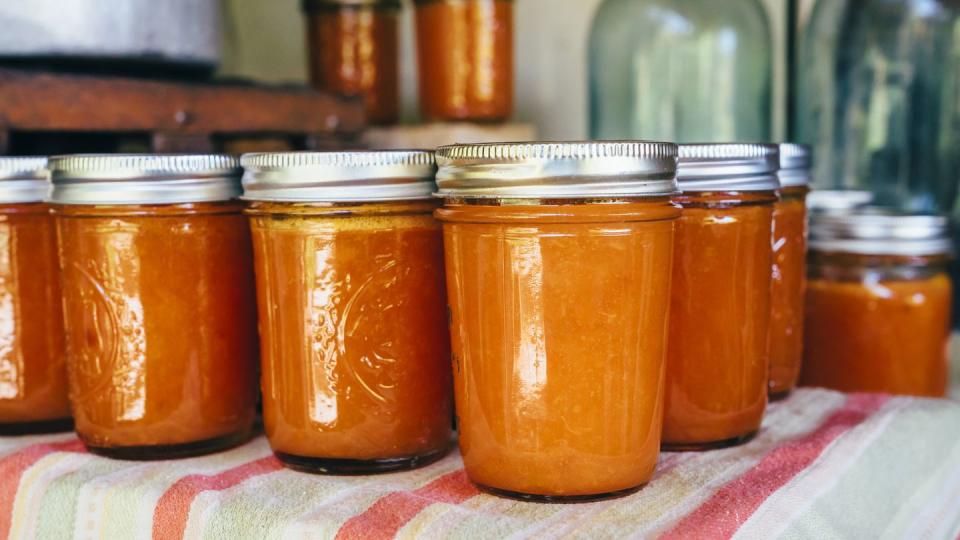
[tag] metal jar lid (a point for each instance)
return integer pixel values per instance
(144, 178)
(796, 162)
(557, 170)
(358, 176)
(23, 179)
(728, 167)
(837, 200)
(874, 231)
(316, 5)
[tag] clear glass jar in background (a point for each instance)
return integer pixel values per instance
(33, 368)
(876, 88)
(681, 70)
(465, 59)
(558, 274)
(717, 357)
(353, 46)
(878, 304)
(158, 301)
(353, 311)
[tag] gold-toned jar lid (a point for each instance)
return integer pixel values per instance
(796, 161)
(555, 170)
(878, 231)
(144, 178)
(728, 167)
(356, 176)
(23, 179)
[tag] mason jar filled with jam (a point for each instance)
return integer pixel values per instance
(789, 269)
(33, 370)
(159, 304)
(558, 273)
(465, 59)
(878, 303)
(720, 302)
(353, 318)
(353, 47)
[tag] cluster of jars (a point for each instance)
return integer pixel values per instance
(586, 303)
(464, 56)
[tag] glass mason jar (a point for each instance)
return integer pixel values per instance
(558, 273)
(789, 270)
(33, 369)
(717, 359)
(878, 304)
(159, 304)
(353, 47)
(356, 350)
(680, 70)
(465, 59)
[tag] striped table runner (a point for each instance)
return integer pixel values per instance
(825, 465)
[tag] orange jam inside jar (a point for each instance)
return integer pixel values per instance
(716, 389)
(33, 370)
(353, 47)
(789, 270)
(558, 273)
(878, 304)
(465, 59)
(356, 353)
(159, 302)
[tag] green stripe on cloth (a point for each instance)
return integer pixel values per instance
(60, 504)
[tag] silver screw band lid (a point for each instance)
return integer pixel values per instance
(144, 178)
(359, 176)
(837, 200)
(728, 167)
(796, 162)
(23, 179)
(556, 170)
(873, 231)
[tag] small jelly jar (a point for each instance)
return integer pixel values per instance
(878, 303)
(558, 273)
(159, 305)
(717, 359)
(353, 318)
(33, 369)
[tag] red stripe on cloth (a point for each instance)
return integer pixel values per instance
(14, 465)
(173, 508)
(385, 517)
(727, 509)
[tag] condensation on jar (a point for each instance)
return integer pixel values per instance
(159, 305)
(717, 359)
(33, 372)
(349, 265)
(878, 303)
(465, 59)
(785, 343)
(558, 273)
(353, 47)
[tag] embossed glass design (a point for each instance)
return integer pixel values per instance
(356, 356)
(465, 59)
(161, 326)
(33, 373)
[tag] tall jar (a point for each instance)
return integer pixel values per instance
(353, 47)
(681, 70)
(558, 272)
(717, 358)
(353, 318)
(789, 269)
(158, 300)
(465, 59)
(878, 304)
(33, 369)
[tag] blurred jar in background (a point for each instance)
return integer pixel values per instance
(877, 96)
(680, 70)
(465, 59)
(353, 47)
(33, 369)
(878, 304)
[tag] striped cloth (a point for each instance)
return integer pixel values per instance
(825, 465)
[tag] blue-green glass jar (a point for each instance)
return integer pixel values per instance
(681, 70)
